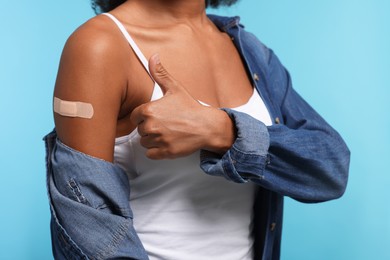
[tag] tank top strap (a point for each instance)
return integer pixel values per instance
(132, 43)
(157, 92)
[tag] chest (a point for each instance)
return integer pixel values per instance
(208, 66)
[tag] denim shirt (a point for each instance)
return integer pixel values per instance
(299, 156)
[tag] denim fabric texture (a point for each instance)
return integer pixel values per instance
(300, 156)
(89, 202)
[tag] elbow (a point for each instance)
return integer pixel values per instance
(340, 175)
(337, 188)
(338, 169)
(335, 172)
(324, 192)
(339, 172)
(332, 181)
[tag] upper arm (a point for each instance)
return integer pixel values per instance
(90, 72)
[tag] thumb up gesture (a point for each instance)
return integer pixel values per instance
(178, 125)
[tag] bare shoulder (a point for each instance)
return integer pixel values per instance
(91, 71)
(95, 42)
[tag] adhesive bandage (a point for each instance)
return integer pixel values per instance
(73, 108)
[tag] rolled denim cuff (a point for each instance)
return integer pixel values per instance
(247, 157)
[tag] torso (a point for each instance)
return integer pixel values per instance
(179, 212)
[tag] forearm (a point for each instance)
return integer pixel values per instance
(300, 156)
(307, 165)
(304, 164)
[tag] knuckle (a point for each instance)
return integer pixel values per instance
(147, 110)
(140, 130)
(172, 152)
(143, 142)
(161, 71)
(134, 116)
(154, 155)
(164, 140)
(151, 128)
(149, 154)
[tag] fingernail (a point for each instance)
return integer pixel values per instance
(156, 58)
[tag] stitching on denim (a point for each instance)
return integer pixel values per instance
(61, 235)
(124, 212)
(266, 158)
(234, 176)
(83, 154)
(232, 23)
(247, 154)
(263, 83)
(77, 192)
(67, 242)
(116, 239)
(59, 142)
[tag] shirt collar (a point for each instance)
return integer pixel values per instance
(225, 23)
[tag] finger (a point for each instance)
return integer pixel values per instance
(140, 113)
(141, 129)
(148, 127)
(149, 141)
(136, 116)
(156, 154)
(161, 75)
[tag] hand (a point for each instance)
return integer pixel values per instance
(178, 125)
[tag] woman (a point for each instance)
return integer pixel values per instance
(196, 89)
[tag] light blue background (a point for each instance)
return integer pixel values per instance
(338, 53)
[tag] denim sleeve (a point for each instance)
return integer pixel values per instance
(302, 157)
(89, 201)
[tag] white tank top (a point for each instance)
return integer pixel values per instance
(179, 211)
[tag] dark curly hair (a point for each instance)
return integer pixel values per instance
(101, 6)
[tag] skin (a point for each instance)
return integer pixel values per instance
(192, 61)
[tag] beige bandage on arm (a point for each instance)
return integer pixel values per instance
(73, 108)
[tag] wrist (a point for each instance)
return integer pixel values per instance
(221, 133)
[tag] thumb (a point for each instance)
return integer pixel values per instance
(161, 75)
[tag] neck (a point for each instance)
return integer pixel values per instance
(165, 12)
